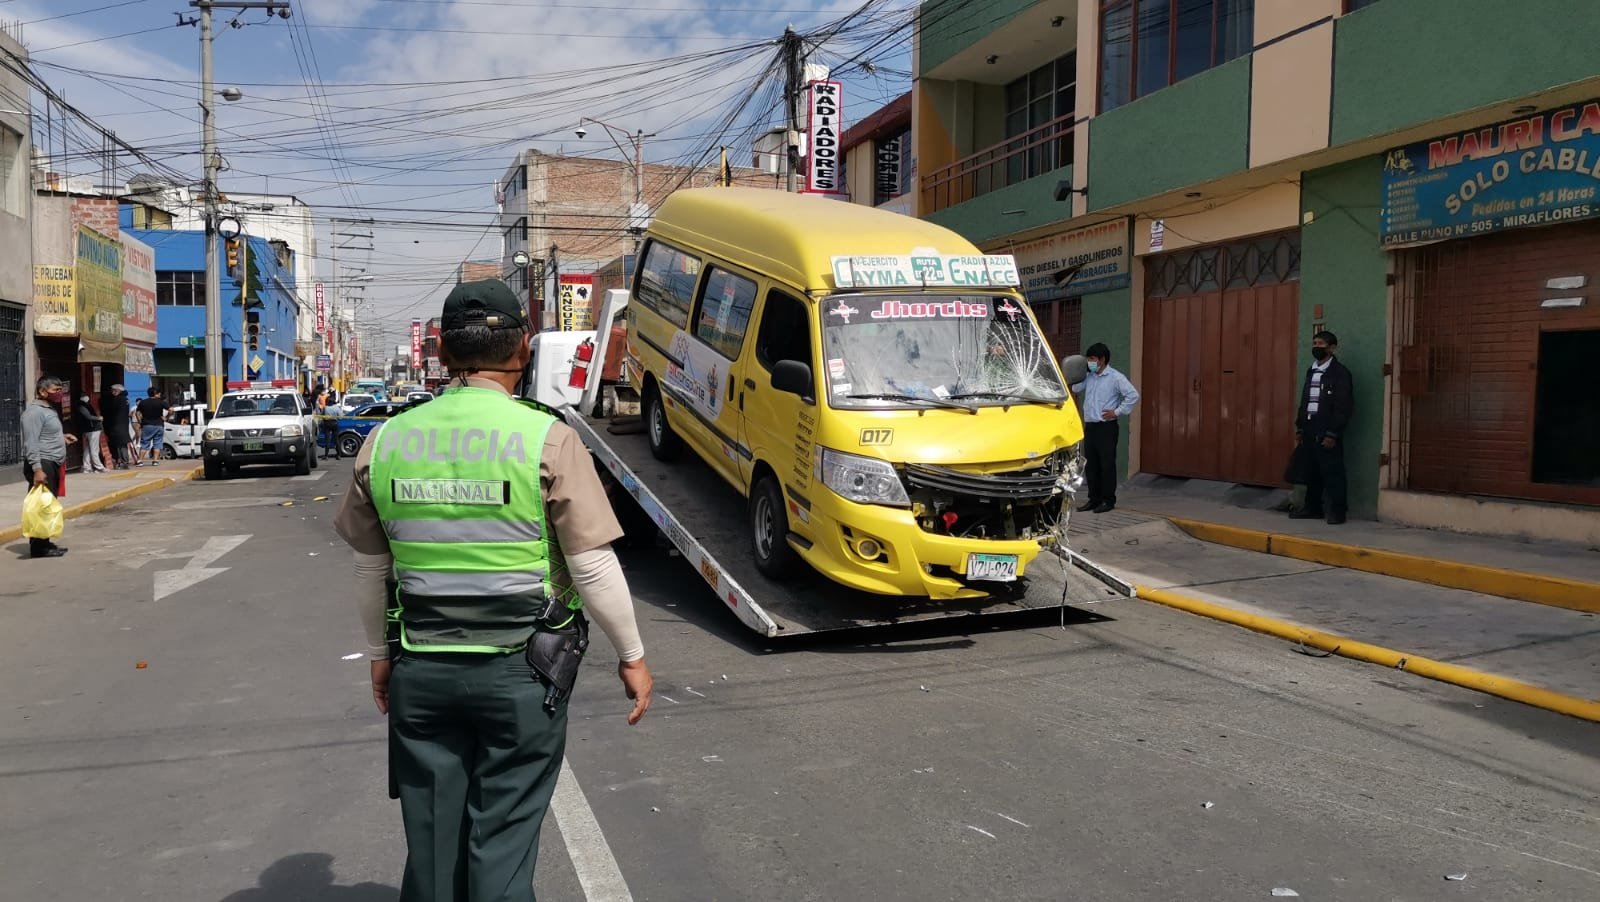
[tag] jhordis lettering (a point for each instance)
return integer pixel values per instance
(933, 310)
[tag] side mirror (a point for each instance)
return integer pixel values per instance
(1075, 369)
(795, 378)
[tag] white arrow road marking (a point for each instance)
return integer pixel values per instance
(199, 568)
(306, 478)
(170, 581)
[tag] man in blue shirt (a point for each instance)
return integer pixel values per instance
(1106, 396)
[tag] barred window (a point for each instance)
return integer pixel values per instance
(180, 288)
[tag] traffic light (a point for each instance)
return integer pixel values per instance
(233, 245)
(252, 329)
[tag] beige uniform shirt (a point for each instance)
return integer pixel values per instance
(576, 506)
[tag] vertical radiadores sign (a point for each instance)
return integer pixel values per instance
(825, 159)
(416, 344)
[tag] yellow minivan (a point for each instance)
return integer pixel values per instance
(873, 384)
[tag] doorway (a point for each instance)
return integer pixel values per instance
(1566, 428)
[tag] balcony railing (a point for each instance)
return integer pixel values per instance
(1016, 159)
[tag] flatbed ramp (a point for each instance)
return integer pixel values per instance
(706, 520)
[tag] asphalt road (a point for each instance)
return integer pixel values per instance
(197, 735)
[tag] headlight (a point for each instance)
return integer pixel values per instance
(864, 480)
(292, 430)
(213, 435)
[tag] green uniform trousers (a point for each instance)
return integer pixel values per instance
(475, 759)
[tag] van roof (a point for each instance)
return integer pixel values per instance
(795, 236)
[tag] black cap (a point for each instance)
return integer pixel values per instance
(489, 302)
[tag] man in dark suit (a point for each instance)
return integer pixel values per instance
(1326, 403)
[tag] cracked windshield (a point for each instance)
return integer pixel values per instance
(974, 349)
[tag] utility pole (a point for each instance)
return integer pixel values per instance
(636, 211)
(638, 195)
(792, 46)
(216, 379)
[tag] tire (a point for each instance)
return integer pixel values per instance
(664, 443)
(313, 457)
(302, 467)
(350, 444)
(213, 470)
(769, 531)
(168, 452)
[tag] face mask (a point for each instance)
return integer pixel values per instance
(57, 397)
(1319, 353)
(1094, 367)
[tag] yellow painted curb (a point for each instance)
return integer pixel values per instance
(1504, 687)
(109, 499)
(1556, 591)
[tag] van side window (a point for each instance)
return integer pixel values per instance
(725, 306)
(785, 332)
(666, 283)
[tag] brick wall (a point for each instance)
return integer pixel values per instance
(477, 271)
(581, 205)
(98, 213)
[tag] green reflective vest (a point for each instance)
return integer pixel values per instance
(456, 483)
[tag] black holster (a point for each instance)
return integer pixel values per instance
(555, 656)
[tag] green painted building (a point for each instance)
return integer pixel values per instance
(1413, 175)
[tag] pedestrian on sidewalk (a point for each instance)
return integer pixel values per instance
(90, 427)
(488, 610)
(114, 410)
(1105, 397)
(152, 427)
(44, 450)
(1326, 404)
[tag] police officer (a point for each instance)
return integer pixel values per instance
(490, 520)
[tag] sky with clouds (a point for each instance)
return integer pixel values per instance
(413, 109)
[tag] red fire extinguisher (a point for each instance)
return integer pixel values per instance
(582, 357)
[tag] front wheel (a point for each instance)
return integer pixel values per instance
(664, 443)
(302, 466)
(213, 470)
(769, 531)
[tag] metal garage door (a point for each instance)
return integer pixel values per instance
(1487, 369)
(13, 394)
(1220, 377)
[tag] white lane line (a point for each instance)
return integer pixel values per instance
(1010, 818)
(983, 831)
(596, 867)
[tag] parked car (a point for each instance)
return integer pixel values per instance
(349, 404)
(418, 397)
(259, 426)
(351, 430)
(185, 425)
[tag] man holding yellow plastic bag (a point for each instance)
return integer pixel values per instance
(44, 455)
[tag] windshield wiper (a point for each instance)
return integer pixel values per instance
(1000, 395)
(937, 402)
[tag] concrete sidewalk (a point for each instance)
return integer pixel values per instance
(1541, 645)
(90, 492)
(1544, 572)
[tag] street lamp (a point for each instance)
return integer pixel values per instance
(636, 212)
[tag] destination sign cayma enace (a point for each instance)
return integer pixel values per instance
(926, 271)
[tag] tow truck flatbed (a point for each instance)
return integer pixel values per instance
(705, 519)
